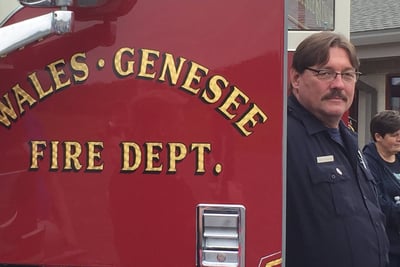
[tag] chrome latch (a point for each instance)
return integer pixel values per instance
(46, 3)
(220, 235)
(20, 34)
(63, 3)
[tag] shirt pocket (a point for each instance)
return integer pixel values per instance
(334, 186)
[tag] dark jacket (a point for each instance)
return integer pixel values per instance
(388, 187)
(333, 216)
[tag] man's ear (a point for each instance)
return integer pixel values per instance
(294, 79)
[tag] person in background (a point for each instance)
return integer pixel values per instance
(333, 217)
(384, 162)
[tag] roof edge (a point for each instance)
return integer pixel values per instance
(375, 37)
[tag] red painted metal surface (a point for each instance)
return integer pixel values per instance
(66, 196)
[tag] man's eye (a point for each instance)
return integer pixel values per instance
(324, 74)
(349, 75)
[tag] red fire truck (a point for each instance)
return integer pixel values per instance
(143, 132)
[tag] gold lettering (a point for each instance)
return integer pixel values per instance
(128, 70)
(177, 152)
(7, 110)
(209, 89)
(214, 87)
(153, 157)
(57, 74)
(36, 153)
(126, 148)
(249, 118)
(94, 149)
(201, 148)
(194, 78)
(72, 152)
(170, 67)
(231, 102)
(80, 67)
(147, 63)
(38, 87)
(274, 263)
(54, 155)
(21, 96)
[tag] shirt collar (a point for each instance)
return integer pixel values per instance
(310, 122)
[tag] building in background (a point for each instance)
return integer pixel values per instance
(375, 31)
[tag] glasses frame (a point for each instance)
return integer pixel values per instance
(331, 78)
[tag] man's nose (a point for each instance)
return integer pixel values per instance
(338, 81)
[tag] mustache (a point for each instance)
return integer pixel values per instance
(334, 94)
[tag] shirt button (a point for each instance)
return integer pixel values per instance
(333, 176)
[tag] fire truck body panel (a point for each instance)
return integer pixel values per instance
(114, 134)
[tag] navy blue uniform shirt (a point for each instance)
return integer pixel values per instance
(388, 188)
(333, 217)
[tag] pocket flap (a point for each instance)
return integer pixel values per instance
(327, 173)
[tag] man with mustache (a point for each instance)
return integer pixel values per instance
(333, 216)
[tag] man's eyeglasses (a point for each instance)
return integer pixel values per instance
(330, 75)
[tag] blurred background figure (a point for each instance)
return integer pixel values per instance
(384, 162)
